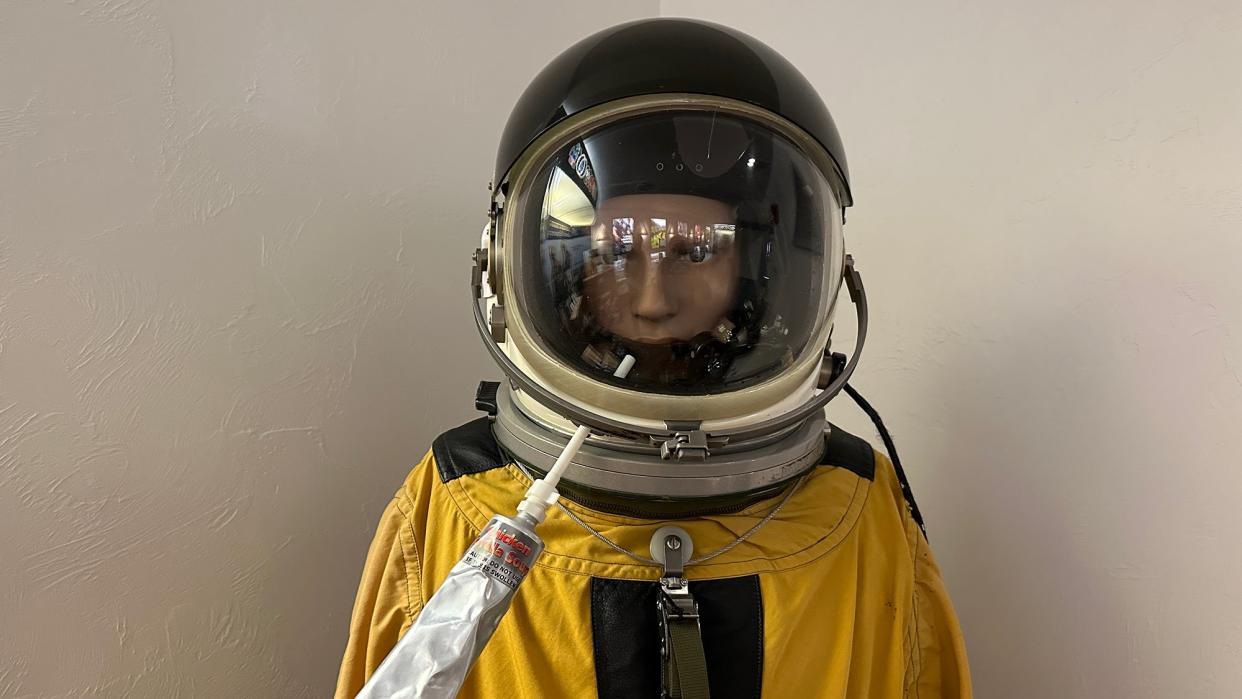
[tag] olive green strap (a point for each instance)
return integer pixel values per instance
(686, 666)
(681, 643)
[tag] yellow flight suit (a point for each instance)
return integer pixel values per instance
(837, 596)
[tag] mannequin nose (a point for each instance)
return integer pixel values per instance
(653, 302)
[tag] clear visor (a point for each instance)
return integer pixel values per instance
(704, 244)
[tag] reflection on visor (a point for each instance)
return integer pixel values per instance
(702, 257)
(683, 241)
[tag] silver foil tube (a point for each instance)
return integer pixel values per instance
(432, 658)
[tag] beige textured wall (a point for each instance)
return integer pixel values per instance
(1049, 221)
(234, 249)
(233, 244)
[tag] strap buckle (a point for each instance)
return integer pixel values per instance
(686, 445)
(683, 667)
(676, 602)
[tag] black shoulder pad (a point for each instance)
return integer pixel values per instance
(467, 449)
(849, 452)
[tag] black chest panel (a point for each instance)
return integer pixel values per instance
(625, 633)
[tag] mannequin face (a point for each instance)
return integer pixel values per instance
(664, 267)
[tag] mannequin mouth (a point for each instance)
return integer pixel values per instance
(647, 340)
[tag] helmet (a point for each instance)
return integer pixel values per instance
(671, 191)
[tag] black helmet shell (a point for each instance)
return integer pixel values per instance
(655, 56)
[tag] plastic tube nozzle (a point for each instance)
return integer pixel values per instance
(542, 493)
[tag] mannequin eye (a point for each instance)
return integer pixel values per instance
(696, 247)
(688, 249)
(699, 253)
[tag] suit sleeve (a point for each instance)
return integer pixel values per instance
(936, 661)
(941, 669)
(388, 600)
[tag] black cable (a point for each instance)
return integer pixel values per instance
(892, 453)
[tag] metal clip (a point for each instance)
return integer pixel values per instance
(497, 323)
(675, 598)
(480, 266)
(686, 446)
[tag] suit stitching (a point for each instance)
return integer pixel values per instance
(860, 484)
(405, 564)
(917, 650)
(911, 677)
(853, 525)
(846, 535)
(918, 647)
(461, 511)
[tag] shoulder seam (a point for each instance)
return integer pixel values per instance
(418, 566)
